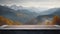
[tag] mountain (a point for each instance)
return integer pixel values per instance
(47, 15)
(50, 11)
(17, 15)
(50, 14)
(26, 14)
(7, 12)
(31, 9)
(15, 7)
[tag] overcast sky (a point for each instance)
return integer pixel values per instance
(33, 3)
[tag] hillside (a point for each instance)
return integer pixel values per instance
(6, 21)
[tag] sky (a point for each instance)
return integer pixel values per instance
(33, 3)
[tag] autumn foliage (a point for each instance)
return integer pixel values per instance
(56, 20)
(6, 21)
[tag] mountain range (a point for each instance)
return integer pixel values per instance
(47, 15)
(17, 15)
(27, 16)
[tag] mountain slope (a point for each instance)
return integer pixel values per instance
(6, 21)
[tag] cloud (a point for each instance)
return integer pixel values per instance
(36, 3)
(23, 1)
